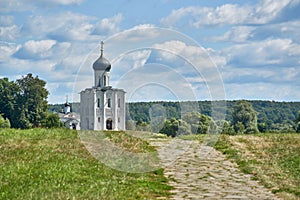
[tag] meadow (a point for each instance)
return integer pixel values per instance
(54, 164)
(273, 159)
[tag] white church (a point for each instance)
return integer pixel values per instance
(102, 107)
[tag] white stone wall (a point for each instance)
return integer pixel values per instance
(94, 115)
(101, 78)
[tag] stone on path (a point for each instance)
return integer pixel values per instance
(201, 172)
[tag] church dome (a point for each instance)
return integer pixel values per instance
(102, 63)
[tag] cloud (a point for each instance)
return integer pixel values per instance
(28, 5)
(246, 34)
(6, 20)
(108, 26)
(280, 30)
(138, 33)
(263, 12)
(63, 2)
(9, 33)
(267, 53)
(183, 56)
(66, 26)
(35, 49)
(155, 82)
(43, 49)
(237, 34)
(69, 26)
(7, 49)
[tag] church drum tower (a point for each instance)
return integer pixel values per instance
(102, 107)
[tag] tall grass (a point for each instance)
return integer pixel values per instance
(273, 159)
(54, 164)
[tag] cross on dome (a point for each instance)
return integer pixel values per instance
(102, 43)
(101, 63)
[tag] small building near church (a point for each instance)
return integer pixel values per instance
(70, 119)
(102, 107)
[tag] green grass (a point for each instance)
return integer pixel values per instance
(273, 159)
(54, 164)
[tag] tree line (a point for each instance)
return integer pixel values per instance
(244, 121)
(269, 116)
(236, 117)
(23, 103)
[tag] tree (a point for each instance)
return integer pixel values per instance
(170, 127)
(226, 126)
(24, 102)
(8, 94)
(174, 127)
(200, 124)
(31, 101)
(244, 118)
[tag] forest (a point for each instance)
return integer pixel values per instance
(270, 116)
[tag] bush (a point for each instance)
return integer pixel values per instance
(52, 121)
(298, 128)
(4, 123)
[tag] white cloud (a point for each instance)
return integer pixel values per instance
(196, 56)
(148, 82)
(138, 33)
(14, 5)
(237, 34)
(43, 49)
(65, 26)
(8, 30)
(108, 25)
(65, 2)
(9, 33)
(276, 52)
(7, 49)
(39, 49)
(24, 5)
(268, 10)
(234, 14)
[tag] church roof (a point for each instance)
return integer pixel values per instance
(102, 63)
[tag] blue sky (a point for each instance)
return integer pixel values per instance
(159, 49)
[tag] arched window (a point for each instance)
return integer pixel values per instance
(109, 103)
(104, 80)
(98, 103)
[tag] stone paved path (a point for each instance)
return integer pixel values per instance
(201, 172)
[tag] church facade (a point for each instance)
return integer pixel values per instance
(102, 107)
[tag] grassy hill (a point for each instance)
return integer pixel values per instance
(54, 164)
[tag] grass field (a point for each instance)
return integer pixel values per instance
(54, 164)
(273, 159)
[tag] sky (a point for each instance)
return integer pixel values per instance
(159, 50)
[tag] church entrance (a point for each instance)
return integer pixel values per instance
(109, 124)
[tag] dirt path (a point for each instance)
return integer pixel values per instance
(201, 172)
